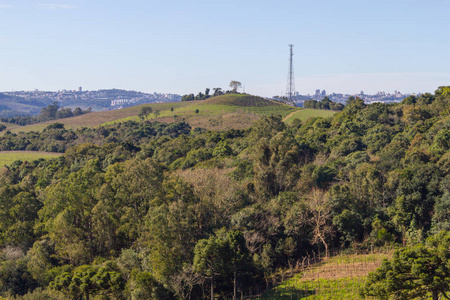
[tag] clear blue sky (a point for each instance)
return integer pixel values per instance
(186, 46)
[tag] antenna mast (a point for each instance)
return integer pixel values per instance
(290, 88)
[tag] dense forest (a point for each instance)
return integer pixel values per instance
(144, 210)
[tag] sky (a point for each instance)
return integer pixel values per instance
(186, 46)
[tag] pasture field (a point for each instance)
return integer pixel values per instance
(306, 113)
(339, 277)
(215, 116)
(8, 157)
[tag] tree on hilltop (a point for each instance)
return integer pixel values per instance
(217, 91)
(235, 85)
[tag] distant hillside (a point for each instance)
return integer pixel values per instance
(26, 103)
(15, 106)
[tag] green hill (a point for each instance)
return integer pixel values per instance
(232, 111)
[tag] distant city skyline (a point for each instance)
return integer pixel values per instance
(186, 46)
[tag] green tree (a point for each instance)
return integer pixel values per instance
(14, 276)
(77, 112)
(67, 213)
(414, 272)
(207, 259)
(239, 257)
(144, 112)
(49, 112)
(188, 97)
(144, 286)
(90, 280)
(172, 227)
(217, 92)
(200, 96)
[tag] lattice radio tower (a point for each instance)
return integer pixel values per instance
(290, 87)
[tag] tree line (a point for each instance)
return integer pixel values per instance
(325, 103)
(234, 85)
(181, 213)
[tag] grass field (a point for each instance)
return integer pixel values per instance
(8, 157)
(339, 277)
(215, 116)
(305, 114)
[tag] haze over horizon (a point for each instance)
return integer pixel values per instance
(183, 47)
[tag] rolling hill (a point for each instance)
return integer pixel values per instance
(232, 111)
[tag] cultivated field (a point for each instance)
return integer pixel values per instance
(8, 157)
(338, 277)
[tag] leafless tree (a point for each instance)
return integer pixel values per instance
(320, 217)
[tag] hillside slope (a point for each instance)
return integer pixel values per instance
(232, 111)
(12, 106)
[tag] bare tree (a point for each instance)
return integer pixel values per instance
(320, 217)
(184, 281)
(235, 85)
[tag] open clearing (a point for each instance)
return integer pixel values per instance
(8, 157)
(338, 277)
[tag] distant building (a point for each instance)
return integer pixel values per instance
(317, 94)
(80, 89)
(324, 93)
